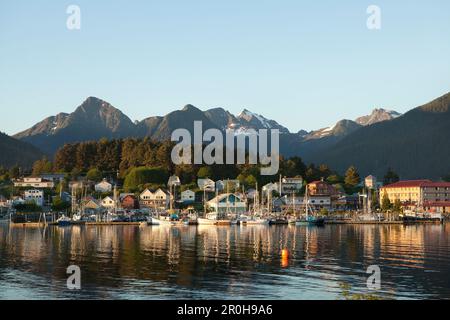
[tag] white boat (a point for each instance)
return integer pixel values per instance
(212, 219)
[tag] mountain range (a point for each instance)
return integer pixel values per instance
(371, 142)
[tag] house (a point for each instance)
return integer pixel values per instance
(34, 182)
(188, 196)
(129, 202)
(370, 182)
(34, 195)
(316, 202)
(291, 185)
(108, 202)
(174, 181)
(321, 188)
(270, 188)
(158, 199)
(227, 202)
(91, 205)
(207, 185)
(221, 185)
(103, 187)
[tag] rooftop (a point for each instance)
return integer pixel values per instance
(409, 184)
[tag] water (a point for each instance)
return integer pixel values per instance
(129, 262)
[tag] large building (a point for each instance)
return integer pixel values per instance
(34, 182)
(424, 194)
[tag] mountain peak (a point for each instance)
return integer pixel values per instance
(377, 115)
(190, 107)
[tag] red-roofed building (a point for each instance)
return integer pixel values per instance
(425, 194)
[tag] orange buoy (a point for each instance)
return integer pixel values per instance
(285, 254)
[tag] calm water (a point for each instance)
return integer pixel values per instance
(127, 262)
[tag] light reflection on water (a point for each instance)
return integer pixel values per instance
(128, 262)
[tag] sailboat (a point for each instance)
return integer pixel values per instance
(256, 217)
(310, 217)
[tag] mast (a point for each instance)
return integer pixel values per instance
(306, 202)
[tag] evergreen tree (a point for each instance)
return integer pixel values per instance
(390, 177)
(94, 175)
(386, 203)
(352, 178)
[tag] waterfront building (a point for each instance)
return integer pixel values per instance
(159, 199)
(188, 196)
(103, 187)
(291, 185)
(34, 182)
(34, 195)
(130, 202)
(227, 203)
(91, 205)
(108, 203)
(321, 188)
(419, 194)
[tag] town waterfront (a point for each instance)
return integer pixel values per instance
(238, 262)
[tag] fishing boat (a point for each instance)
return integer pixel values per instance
(64, 221)
(212, 219)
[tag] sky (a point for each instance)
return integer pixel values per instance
(305, 64)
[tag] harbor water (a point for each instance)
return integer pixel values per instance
(238, 262)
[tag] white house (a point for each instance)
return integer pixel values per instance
(158, 199)
(174, 181)
(188, 196)
(232, 184)
(108, 202)
(37, 196)
(206, 184)
(227, 203)
(103, 187)
(291, 185)
(34, 182)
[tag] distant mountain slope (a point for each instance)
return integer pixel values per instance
(415, 145)
(92, 120)
(15, 152)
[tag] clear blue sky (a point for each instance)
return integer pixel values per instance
(305, 64)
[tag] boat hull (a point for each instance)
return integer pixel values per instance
(210, 222)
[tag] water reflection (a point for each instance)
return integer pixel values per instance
(224, 262)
